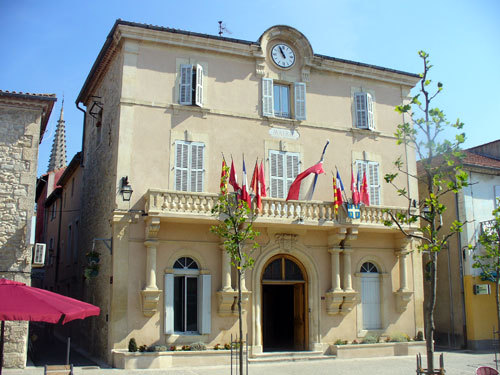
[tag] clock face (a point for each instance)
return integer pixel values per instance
(283, 56)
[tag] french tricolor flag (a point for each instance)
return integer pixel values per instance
(299, 187)
(244, 189)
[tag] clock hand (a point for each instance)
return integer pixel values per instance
(282, 53)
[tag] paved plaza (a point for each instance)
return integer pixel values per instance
(456, 363)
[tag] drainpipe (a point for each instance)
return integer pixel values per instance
(461, 273)
(58, 256)
(83, 135)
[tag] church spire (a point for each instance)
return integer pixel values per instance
(58, 154)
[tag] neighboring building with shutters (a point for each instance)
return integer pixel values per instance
(465, 315)
(161, 107)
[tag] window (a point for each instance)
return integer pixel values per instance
(187, 299)
(363, 109)
(284, 168)
(276, 99)
(191, 85)
(189, 172)
(497, 195)
(53, 211)
(372, 178)
(370, 296)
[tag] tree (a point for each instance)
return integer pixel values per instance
(487, 255)
(440, 173)
(236, 228)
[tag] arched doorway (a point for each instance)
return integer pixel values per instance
(370, 296)
(284, 312)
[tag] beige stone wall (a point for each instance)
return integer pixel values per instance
(19, 136)
(97, 204)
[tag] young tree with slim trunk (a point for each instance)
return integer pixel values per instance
(236, 228)
(487, 256)
(439, 173)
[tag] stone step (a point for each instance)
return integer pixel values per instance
(289, 357)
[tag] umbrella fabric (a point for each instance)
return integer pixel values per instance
(21, 302)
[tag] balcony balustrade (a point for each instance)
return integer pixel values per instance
(187, 205)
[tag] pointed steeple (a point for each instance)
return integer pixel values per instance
(58, 154)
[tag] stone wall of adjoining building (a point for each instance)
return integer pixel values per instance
(19, 136)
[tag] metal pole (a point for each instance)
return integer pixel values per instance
(231, 354)
(68, 346)
(1, 346)
(247, 353)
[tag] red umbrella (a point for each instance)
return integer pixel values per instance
(21, 302)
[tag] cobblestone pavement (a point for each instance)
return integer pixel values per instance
(456, 363)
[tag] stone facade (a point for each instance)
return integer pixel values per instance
(135, 119)
(23, 119)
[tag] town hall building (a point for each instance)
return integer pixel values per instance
(161, 106)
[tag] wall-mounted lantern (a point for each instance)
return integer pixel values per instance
(126, 189)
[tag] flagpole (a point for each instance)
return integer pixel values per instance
(344, 194)
(321, 160)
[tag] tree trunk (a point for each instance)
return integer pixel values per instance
(240, 319)
(429, 315)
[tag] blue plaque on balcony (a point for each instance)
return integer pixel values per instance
(353, 211)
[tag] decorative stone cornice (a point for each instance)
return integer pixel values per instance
(227, 302)
(403, 298)
(286, 241)
(150, 301)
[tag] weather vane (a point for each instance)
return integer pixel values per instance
(223, 29)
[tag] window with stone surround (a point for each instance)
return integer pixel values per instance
(284, 167)
(187, 299)
(371, 168)
(191, 83)
(363, 111)
(189, 166)
(283, 99)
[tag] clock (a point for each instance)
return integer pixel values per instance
(282, 55)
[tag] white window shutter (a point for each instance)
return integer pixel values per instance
(369, 108)
(300, 100)
(196, 170)
(199, 86)
(373, 183)
(360, 110)
(267, 97)
(169, 303)
(276, 173)
(185, 85)
(292, 169)
(497, 195)
(181, 165)
(204, 303)
(39, 254)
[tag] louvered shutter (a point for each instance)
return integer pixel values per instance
(267, 97)
(181, 165)
(292, 169)
(360, 170)
(199, 86)
(196, 170)
(276, 174)
(185, 85)
(373, 183)
(169, 303)
(360, 110)
(204, 305)
(369, 108)
(300, 100)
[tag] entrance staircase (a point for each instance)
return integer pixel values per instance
(289, 357)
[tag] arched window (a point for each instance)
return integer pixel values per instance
(370, 296)
(187, 298)
(284, 269)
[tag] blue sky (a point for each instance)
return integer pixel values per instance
(50, 46)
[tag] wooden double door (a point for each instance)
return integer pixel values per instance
(284, 313)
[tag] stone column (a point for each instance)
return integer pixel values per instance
(403, 276)
(347, 269)
(151, 246)
(226, 271)
(335, 263)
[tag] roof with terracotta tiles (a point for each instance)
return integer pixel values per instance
(476, 160)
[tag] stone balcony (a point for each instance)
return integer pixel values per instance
(187, 206)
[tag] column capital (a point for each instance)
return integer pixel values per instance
(152, 227)
(335, 238)
(347, 250)
(151, 243)
(335, 250)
